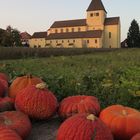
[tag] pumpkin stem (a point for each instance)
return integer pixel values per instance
(91, 117)
(7, 122)
(41, 86)
(29, 76)
(124, 112)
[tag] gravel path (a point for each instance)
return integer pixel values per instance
(44, 130)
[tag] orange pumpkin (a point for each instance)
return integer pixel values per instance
(17, 121)
(84, 127)
(36, 101)
(22, 82)
(123, 121)
(79, 104)
(3, 87)
(136, 137)
(8, 134)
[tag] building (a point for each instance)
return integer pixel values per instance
(124, 44)
(38, 40)
(95, 31)
(25, 38)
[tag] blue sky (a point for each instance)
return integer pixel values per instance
(38, 15)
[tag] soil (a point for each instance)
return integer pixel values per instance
(45, 130)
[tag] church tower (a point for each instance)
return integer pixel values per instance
(96, 15)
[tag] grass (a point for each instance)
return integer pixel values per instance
(113, 77)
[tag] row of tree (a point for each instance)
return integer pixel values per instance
(133, 36)
(10, 37)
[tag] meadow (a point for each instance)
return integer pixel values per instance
(113, 77)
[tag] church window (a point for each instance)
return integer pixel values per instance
(61, 30)
(56, 31)
(79, 29)
(67, 30)
(96, 41)
(97, 14)
(109, 34)
(87, 41)
(72, 29)
(73, 41)
(91, 15)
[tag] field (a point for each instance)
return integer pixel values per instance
(113, 77)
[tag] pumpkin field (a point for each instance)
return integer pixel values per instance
(80, 97)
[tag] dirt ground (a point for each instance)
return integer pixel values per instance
(44, 130)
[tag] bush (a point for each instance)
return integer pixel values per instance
(21, 52)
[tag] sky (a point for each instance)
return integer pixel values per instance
(38, 15)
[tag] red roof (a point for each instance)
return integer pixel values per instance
(39, 35)
(25, 35)
(69, 23)
(82, 22)
(72, 35)
(112, 21)
(96, 5)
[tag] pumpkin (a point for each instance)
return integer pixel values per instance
(8, 134)
(4, 77)
(84, 127)
(79, 104)
(123, 121)
(17, 121)
(6, 104)
(3, 87)
(36, 101)
(136, 137)
(22, 82)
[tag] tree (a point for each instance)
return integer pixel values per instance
(7, 40)
(1, 36)
(10, 38)
(133, 36)
(16, 38)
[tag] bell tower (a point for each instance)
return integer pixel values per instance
(96, 15)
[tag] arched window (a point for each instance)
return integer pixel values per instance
(61, 30)
(91, 15)
(72, 29)
(79, 29)
(96, 41)
(109, 34)
(55, 30)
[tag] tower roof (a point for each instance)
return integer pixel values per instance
(96, 5)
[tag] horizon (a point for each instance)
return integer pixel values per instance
(35, 15)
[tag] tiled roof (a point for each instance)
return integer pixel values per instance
(112, 21)
(39, 35)
(72, 35)
(25, 35)
(96, 5)
(82, 22)
(69, 23)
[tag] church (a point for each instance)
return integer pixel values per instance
(95, 31)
